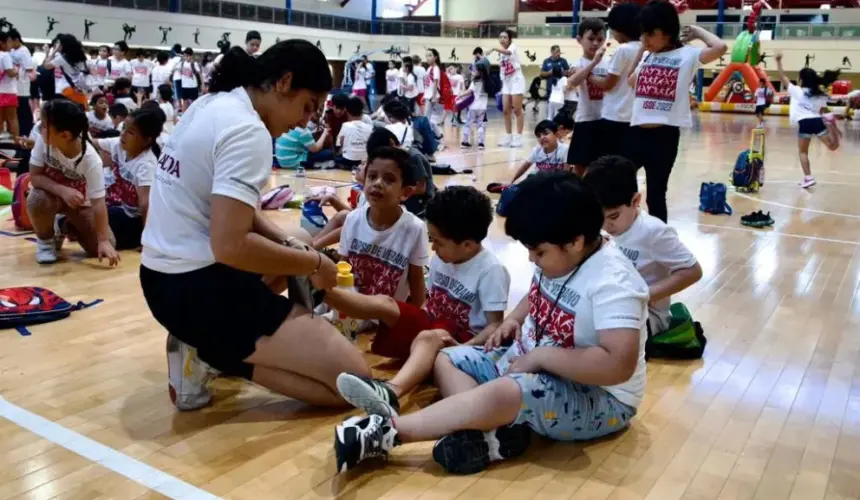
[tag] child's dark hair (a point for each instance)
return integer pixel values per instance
(486, 78)
(817, 84)
(339, 101)
(563, 119)
(162, 57)
(188, 51)
(613, 180)
(177, 48)
(624, 18)
(95, 99)
(122, 46)
(381, 137)
(511, 34)
(354, 107)
(395, 110)
(150, 123)
(408, 66)
(436, 56)
(14, 35)
(165, 92)
(592, 24)
(120, 85)
(661, 15)
(104, 47)
(253, 35)
(478, 50)
(4, 37)
(555, 195)
(545, 126)
(398, 156)
(118, 110)
(66, 116)
(73, 51)
(306, 63)
(460, 213)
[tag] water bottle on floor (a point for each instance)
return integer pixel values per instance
(301, 181)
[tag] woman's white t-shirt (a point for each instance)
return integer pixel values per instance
(189, 72)
(120, 69)
(509, 65)
(480, 102)
(160, 75)
(392, 81)
(607, 293)
(420, 73)
(557, 95)
(380, 259)
(590, 96)
(140, 73)
(410, 86)
(74, 73)
(661, 95)
(99, 71)
(458, 84)
(360, 80)
(85, 175)
(8, 83)
(801, 106)
(221, 147)
(174, 66)
(430, 82)
(618, 101)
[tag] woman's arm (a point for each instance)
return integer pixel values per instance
(143, 201)
(417, 287)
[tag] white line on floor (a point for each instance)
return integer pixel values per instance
(765, 232)
(783, 205)
(109, 458)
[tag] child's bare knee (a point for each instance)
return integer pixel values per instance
(40, 201)
(432, 338)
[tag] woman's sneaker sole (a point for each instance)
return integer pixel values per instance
(362, 395)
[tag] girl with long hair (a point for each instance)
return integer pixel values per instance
(513, 88)
(69, 63)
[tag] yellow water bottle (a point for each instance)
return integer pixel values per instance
(348, 327)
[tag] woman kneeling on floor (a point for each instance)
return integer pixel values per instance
(207, 249)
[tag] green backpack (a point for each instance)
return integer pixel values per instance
(684, 339)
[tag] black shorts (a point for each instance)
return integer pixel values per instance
(190, 94)
(126, 229)
(570, 108)
(220, 310)
(586, 145)
(614, 137)
(811, 127)
(34, 90)
(346, 164)
(759, 109)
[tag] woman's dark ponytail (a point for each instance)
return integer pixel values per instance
(150, 123)
(236, 69)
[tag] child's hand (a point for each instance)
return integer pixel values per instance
(26, 143)
(506, 331)
(600, 53)
(527, 363)
(107, 251)
(72, 198)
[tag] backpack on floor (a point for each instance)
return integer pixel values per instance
(507, 196)
(19, 203)
(30, 305)
(712, 199)
(684, 339)
(313, 218)
(748, 174)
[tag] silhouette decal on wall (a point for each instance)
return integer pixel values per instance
(164, 31)
(128, 31)
(51, 23)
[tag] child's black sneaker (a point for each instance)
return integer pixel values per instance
(470, 452)
(465, 145)
(360, 438)
(757, 219)
(481, 146)
(370, 395)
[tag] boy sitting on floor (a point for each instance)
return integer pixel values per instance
(575, 365)
(468, 297)
(386, 244)
(352, 139)
(665, 263)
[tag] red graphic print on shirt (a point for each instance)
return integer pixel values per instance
(555, 322)
(657, 82)
(508, 68)
(101, 70)
(121, 191)
(595, 93)
(443, 306)
(374, 276)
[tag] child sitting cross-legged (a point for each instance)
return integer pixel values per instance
(567, 363)
(468, 297)
(549, 155)
(665, 263)
(386, 244)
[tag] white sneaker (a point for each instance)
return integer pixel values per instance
(45, 252)
(188, 376)
(506, 141)
(807, 182)
(517, 141)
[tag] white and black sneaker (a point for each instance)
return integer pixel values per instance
(360, 438)
(372, 396)
(470, 452)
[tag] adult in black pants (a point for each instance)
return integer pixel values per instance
(660, 109)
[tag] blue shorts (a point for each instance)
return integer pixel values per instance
(553, 407)
(811, 127)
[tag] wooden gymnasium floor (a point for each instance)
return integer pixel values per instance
(771, 412)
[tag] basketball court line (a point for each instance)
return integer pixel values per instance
(764, 232)
(783, 205)
(105, 456)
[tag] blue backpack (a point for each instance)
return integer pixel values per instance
(507, 195)
(747, 173)
(712, 199)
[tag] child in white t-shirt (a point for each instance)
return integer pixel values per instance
(513, 88)
(120, 67)
(567, 363)
(385, 244)
(141, 70)
(467, 300)
(661, 104)
(588, 145)
(98, 117)
(67, 179)
(458, 86)
(665, 263)
(804, 109)
(192, 79)
(549, 155)
(392, 78)
(352, 139)
(8, 89)
(478, 108)
(397, 117)
(763, 95)
(557, 94)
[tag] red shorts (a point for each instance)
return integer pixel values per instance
(420, 100)
(9, 101)
(396, 341)
(360, 92)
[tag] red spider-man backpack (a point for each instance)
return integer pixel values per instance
(30, 305)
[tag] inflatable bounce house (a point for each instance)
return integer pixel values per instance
(735, 86)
